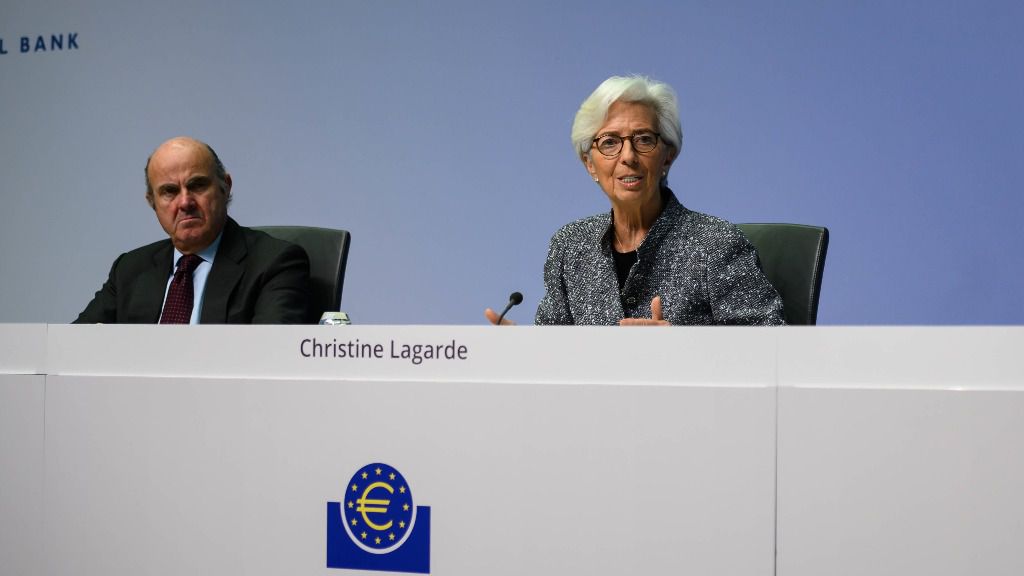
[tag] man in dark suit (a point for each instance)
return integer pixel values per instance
(210, 270)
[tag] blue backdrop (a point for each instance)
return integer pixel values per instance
(438, 134)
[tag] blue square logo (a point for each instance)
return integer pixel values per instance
(377, 526)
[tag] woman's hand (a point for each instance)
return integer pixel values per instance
(492, 317)
(655, 320)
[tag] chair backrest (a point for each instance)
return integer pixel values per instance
(793, 258)
(328, 254)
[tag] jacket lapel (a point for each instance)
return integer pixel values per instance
(224, 276)
(607, 300)
(150, 285)
(594, 289)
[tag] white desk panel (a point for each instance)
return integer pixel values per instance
(963, 357)
(562, 354)
(900, 452)
(21, 474)
(183, 475)
(542, 451)
(23, 348)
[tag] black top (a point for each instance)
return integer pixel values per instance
(623, 262)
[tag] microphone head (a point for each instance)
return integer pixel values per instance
(516, 298)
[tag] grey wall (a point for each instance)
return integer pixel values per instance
(437, 133)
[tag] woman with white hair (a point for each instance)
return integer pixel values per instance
(650, 260)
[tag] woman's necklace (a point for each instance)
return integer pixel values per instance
(635, 240)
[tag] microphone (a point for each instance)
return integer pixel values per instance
(514, 299)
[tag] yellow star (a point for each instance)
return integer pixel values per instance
(363, 535)
(401, 489)
(349, 503)
(365, 475)
(354, 487)
(391, 476)
(391, 536)
(376, 540)
(354, 521)
(401, 523)
(377, 471)
(405, 507)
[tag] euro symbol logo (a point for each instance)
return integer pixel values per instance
(367, 505)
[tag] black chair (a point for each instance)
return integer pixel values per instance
(793, 258)
(328, 254)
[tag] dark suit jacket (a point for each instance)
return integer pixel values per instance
(255, 279)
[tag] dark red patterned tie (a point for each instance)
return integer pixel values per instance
(178, 306)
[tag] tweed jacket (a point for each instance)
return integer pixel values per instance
(704, 269)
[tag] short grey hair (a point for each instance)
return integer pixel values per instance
(594, 110)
